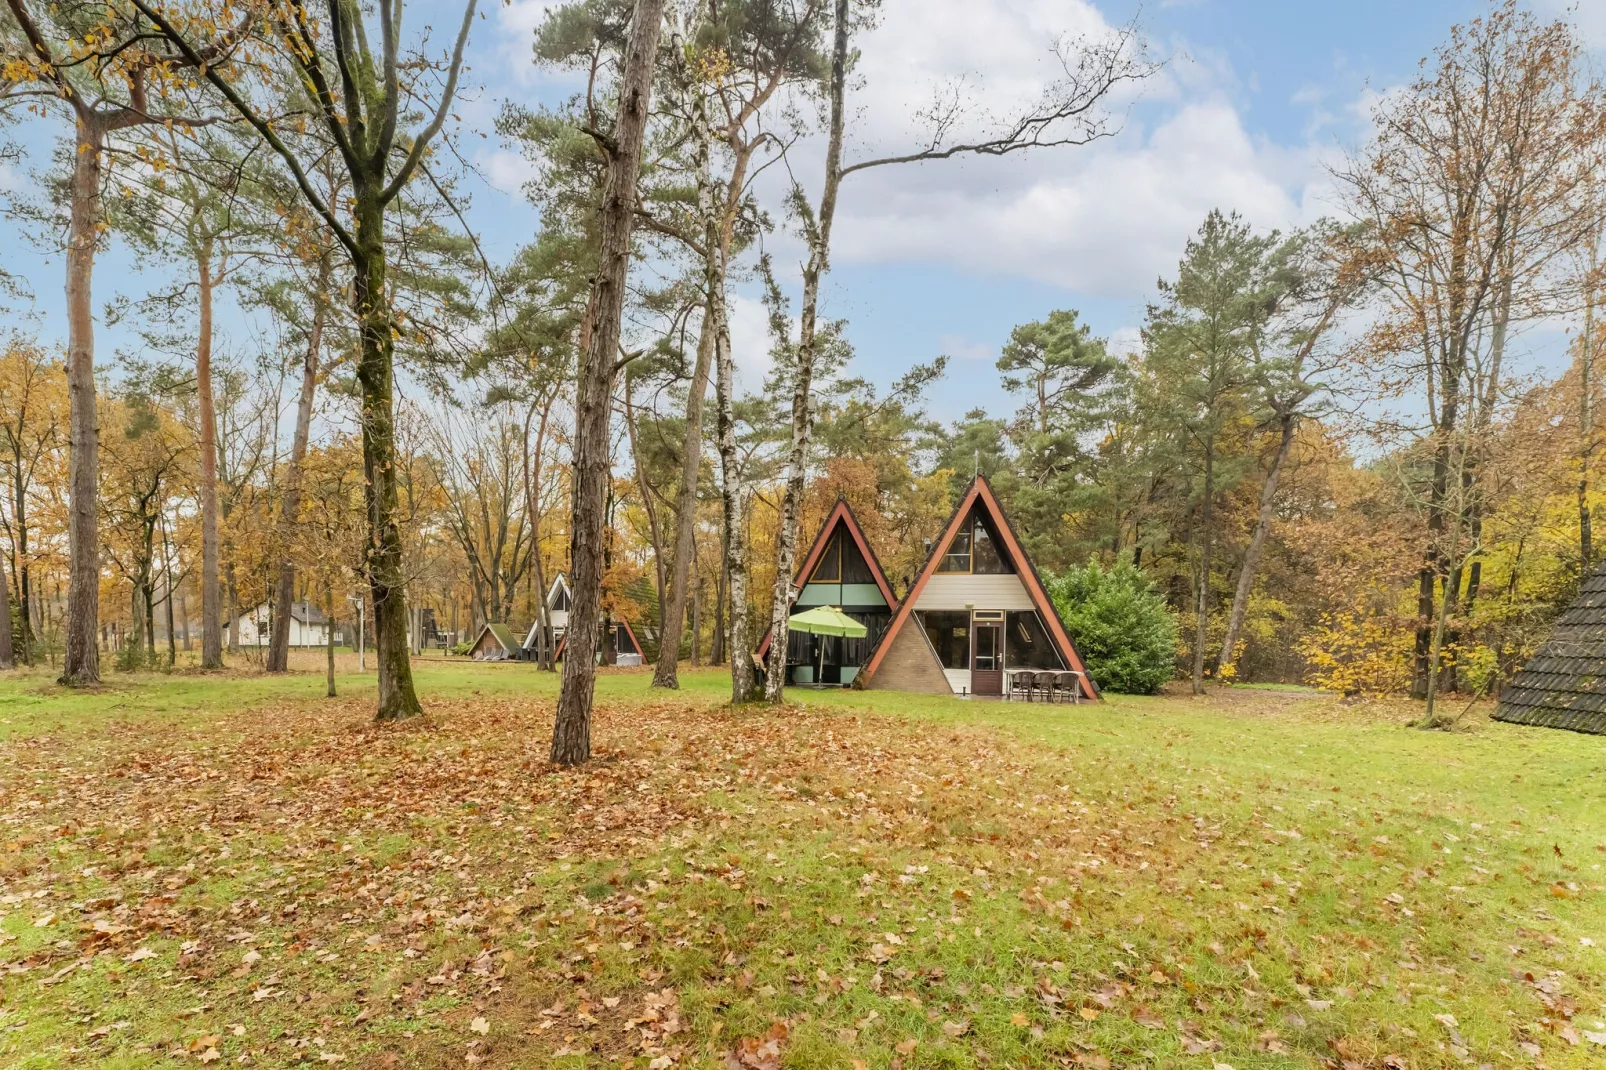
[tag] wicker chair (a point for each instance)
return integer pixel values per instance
(1023, 682)
(1068, 683)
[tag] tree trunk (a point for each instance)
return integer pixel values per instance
(211, 597)
(803, 385)
(1257, 541)
(571, 730)
(735, 496)
(696, 622)
(167, 596)
(290, 504)
(1202, 606)
(376, 379)
(667, 672)
(329, 638)
(7, 654)
(81, 661)
(532, 510)
(184, 615)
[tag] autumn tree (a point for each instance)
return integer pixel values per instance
(114, 74)
(33, 418)
(361, 99)
(1471, 183)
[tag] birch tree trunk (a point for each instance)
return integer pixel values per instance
(735, 496)
(81, 659)
(1257, 542)
(571, 730)
(819, 234)
(284, 596)
(211, 595)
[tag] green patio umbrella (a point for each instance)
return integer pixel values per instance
(826, 620)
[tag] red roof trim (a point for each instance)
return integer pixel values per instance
(981, 490)
(841, 513)
(557, 655)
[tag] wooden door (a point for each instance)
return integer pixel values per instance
(987, 658)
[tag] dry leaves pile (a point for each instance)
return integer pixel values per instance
(294, 885)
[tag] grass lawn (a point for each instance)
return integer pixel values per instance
(236, 869)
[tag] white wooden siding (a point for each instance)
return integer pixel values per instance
(946, 591)
(958, 679)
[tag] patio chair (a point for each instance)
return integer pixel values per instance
(1022, 683)
(1070, 684)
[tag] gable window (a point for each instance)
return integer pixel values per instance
(985, 558)
(1028, 645)
(829, 569)
(957, 557)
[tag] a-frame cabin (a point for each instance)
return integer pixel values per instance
(976, 615)
(840, 570)
(558, 598)
(619, 643)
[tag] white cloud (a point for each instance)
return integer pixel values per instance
(1589, 16)
(507, 171)
(957, 345)
(1105, 219)
(750, 340)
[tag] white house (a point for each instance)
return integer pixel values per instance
(308, 626)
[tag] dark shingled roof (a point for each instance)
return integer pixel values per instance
(1564, 684)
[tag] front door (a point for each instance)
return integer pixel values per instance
(987, 658)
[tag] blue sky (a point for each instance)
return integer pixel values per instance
(1256, 99)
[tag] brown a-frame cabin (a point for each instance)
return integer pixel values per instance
(840, 570)
(977, 614)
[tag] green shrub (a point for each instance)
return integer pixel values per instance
(1120, 625)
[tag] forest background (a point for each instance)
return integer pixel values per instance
(1348, 436)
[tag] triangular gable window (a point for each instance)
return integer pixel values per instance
(974, 549)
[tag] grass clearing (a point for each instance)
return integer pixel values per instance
(233, 868)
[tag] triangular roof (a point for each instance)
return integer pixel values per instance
(1564, 684)
(630, 632)
(980, 494)
(841, 514)
(560, 581)
(503, 634)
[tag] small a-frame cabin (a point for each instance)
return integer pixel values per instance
(494, 643)
(1564, 683)
(620, 646)
(977, 614)
(842, 571)
(558, 599)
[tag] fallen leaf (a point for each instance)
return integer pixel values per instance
(480, 1026)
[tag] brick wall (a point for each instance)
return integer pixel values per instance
(910, 664)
